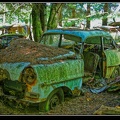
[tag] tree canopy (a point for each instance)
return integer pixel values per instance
(43, 16)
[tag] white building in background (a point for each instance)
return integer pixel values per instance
(98, 22)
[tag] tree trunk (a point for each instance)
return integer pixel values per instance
(73, 16)
(36, 23)
(60, 16)
(31, 35)
(88, 13)
(104, 20)
(43, 16)
(52, 21)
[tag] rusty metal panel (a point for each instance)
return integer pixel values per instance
(109, 71)
(112, 57)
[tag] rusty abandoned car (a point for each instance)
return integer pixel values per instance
(88, 57)
(35, 74)
(12, 32)
(97, 48)
(5, 39)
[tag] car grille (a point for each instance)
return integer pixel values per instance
(14, 88)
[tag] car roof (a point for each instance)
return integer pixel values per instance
(12, 35)
(83, 34)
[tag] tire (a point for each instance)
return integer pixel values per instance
(54, 99)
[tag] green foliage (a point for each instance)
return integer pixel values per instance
(67, 10)
(97, 7)
(17, 12)
(36, 23)
(70, 23)
(20, 12)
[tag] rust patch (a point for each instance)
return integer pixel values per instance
(29, 77)
(29, 86)
(76, 91)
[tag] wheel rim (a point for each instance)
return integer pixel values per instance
(54, 101)
(55, 98)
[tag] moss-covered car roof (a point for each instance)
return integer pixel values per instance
(83, 34)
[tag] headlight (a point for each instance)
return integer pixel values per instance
(28, 75)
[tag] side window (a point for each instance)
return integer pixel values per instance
(108, 43)
(67, 42)
(93, 40)
(70, 40)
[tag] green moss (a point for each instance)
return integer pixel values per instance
(61, 71)
(113, 57)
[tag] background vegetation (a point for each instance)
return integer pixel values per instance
(44, 16)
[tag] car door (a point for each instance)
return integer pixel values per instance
(111, 57)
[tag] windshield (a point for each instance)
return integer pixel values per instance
(50, 40)
(59, 40)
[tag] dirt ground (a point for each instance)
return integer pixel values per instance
(85, 104)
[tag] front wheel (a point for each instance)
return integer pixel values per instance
(54, 99)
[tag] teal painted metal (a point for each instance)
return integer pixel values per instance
(67, 55)
(47, 89)
(61, 74)
(14, 69)
(83, 34)
(67, 73)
